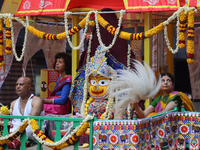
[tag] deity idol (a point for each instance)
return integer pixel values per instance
(100, 75)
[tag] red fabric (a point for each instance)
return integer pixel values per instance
(39, 7)
(193, 3)
(151, 6)
(52, 7)
(96, 4)
(182, 3)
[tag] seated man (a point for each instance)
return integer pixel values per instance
(26, 105)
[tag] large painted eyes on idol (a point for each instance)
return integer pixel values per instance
(93, 82)
(104, 82)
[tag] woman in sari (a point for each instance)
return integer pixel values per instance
(58, 102)
(167, 100)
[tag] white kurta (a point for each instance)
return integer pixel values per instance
(27, 112)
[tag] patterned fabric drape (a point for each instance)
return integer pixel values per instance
(194, 69)
(171, 129)
(50, 48)
(136, 46)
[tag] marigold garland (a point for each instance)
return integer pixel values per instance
(60, 36)
(87, 105)
(190, 41)
(41, 137)
(182, 28)
(15, 134)
(154, 30)
(103, 23)
(8, 49)
(1, 43)
(92, 19)
(130, 36)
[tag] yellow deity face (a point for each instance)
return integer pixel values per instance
(98, 86)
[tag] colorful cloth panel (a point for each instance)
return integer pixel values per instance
(175, 130)
(121, 134)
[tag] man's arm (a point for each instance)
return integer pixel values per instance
(37, 105)
(12, 106)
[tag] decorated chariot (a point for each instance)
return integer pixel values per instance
(111, 127)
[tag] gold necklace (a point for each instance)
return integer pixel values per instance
(24, 99)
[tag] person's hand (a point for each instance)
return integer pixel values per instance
(48, 101)
(134, 104)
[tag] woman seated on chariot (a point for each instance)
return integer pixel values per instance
(167, 100)
(58, 103)
(141, 84)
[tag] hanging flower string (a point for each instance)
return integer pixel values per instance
(190, 41)
(8, 37)
(1, 43)
(182, 28)
(20, 129)
(76, 29)
(41, 137)
(107, 26)
(86, 82)
(13, 41)
(60, 36)
(65, 141)
(103, 23)
(110, 29)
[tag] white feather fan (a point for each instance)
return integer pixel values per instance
(135, 85)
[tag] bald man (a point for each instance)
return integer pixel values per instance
(26, 105)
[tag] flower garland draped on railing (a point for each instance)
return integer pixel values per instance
(65, 141)
(20, 129)
(41, 137)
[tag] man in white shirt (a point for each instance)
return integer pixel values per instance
(26, 105)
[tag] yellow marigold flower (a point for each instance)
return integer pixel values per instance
(43, 136)
(61, 36)
(190, 61)
(23, 127)
(48, 140)
(82, 23)
(91, 23)
(82, 129)
(8, 42)
(125, 35)
(61, 146)
(182, 45)
(182, 16)
(35, 32)
(7, 22)
(154, 30)
(1, 24)
(4, 110)
(71, 141)
(34, 124)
